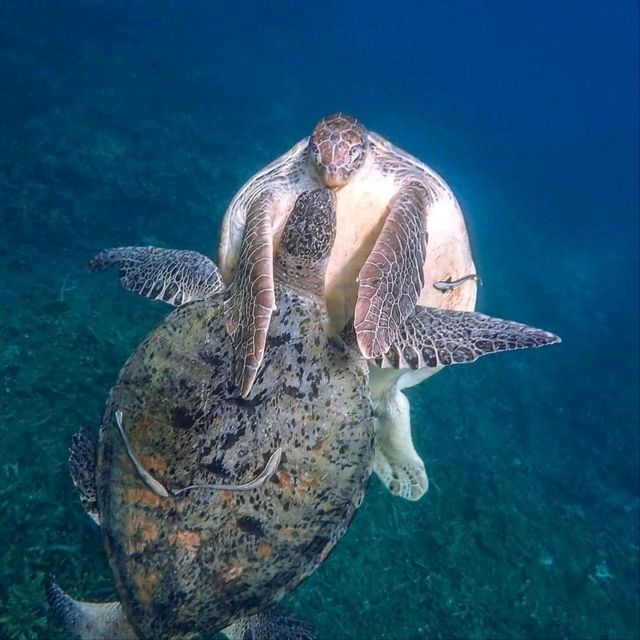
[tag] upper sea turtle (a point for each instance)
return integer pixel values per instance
(213, 506)
(400, 230)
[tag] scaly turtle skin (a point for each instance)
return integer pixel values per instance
(400, 229)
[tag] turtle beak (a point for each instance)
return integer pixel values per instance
(333, 177)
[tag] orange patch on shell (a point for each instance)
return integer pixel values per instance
(153, 463)
(143, 428)
(145, 583)
(299, 486)
(190, 540)
(145, 497)
(286, 481)
(264, 551)
(142, 531)
(288, 533)
(312, 485)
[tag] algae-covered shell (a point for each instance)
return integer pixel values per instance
(193, 562)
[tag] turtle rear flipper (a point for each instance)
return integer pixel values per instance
(95, 620)
(170, 275)
(439, 337)
(396, 462)
(82, 467)
(271, 624)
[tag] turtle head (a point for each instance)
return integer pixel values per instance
(306, 242)
(337, 149)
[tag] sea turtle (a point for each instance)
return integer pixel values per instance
(197, 536)
(389, 205)
(213, 506)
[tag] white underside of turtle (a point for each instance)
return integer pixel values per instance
(363, 208)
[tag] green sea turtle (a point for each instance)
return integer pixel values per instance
(213, 506)
(400, 230)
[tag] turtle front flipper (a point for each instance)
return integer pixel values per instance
(170, 275)
(391, 279)
(95, 620)
(271, 624)
(436, 337)
(82, 467)
(250, 300)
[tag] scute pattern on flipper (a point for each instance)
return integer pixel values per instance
(250, 300)
(391, 279)
(170, 275)
(82, 467)
(434, 337)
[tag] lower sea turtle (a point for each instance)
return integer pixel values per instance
(213, 506)
(400, 230)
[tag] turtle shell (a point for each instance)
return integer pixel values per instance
(191, 564)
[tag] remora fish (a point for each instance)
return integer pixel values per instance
(448, 284)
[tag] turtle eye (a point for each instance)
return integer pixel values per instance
(355, 156)
(314, 153)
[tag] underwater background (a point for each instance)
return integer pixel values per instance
(131, 122)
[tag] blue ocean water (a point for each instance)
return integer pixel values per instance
(136, 122)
